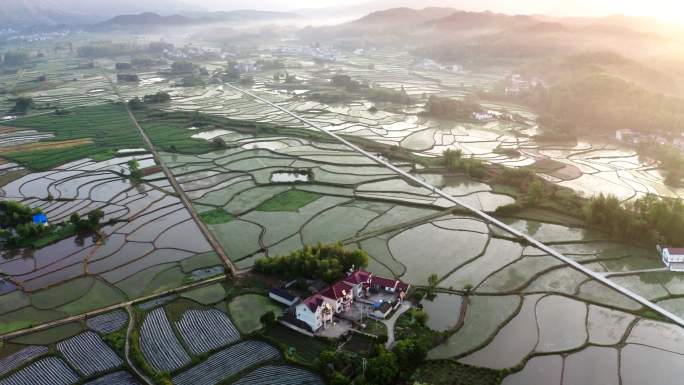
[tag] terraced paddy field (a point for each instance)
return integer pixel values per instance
(590, 166)
(501, 304)
(149, 240)
(69, 82)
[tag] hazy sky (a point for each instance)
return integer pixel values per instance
(666, 9)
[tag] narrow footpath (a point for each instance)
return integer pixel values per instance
(176, 186)
(127, 350)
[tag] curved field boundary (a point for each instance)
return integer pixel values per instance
(159, 344)
(206, 330)
(109, 322)
(175, 185)
(21, 357)
(488, 218)
(89, 354)
(117, 378)
(227, 363)
(280, 375)
(48, 371)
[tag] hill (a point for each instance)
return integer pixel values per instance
(25, 13)
(150, 19)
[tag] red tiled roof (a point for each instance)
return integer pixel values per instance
(314, 302)
(337, 290)
(401, 286)
(357, 277)
(675, 250)
(384, 282)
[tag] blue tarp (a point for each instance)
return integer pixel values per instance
(40, 219)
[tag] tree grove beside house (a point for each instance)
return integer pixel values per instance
(13, 213)
(454, 161)
(327, 262)
(446, 108)
(159, 97)
(382, 369)
(22, 105)
(182, 67)
(15, 58)
(136, 173)
(648, 220)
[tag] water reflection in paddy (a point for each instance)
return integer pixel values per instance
(444, 311)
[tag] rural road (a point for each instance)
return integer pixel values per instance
(389, 323)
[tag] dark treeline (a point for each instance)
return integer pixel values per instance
(447, 108)
(15, 58)
(109, 49)
(648, 220)
(670, 158)
(604, 103)
(327, 262)
(455, 161)
(137, 103)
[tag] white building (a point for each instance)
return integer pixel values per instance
(673, 257)
(315, 311)
(319, 309)
(359, 280)
(340, 294)
(625, 135)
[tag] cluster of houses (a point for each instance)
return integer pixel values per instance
(315, 51)
(627, 135)
(516, 84)
(317, 311)
(431, 65)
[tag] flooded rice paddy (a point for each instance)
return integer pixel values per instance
(523, 308)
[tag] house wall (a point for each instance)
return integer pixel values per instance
(677, 266)
(310, 318)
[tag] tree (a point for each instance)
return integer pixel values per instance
(535, 192)
(75, 219)
(136, 173)
(382, 369)
(420, 316)
(94, 218)
(410, 353)
(180, 67)
(135, 103)
(339, 379)
(219, 142)
(268, 319)
(16, 58)
(433, 279)
(159, 97)
(22, 105)
(328, 262)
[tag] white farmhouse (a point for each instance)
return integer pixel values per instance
(316, 311)
(359, 280)
(673, 257)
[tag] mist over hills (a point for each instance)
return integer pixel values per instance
(25, 13)
(151, 19)
(449, 34)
